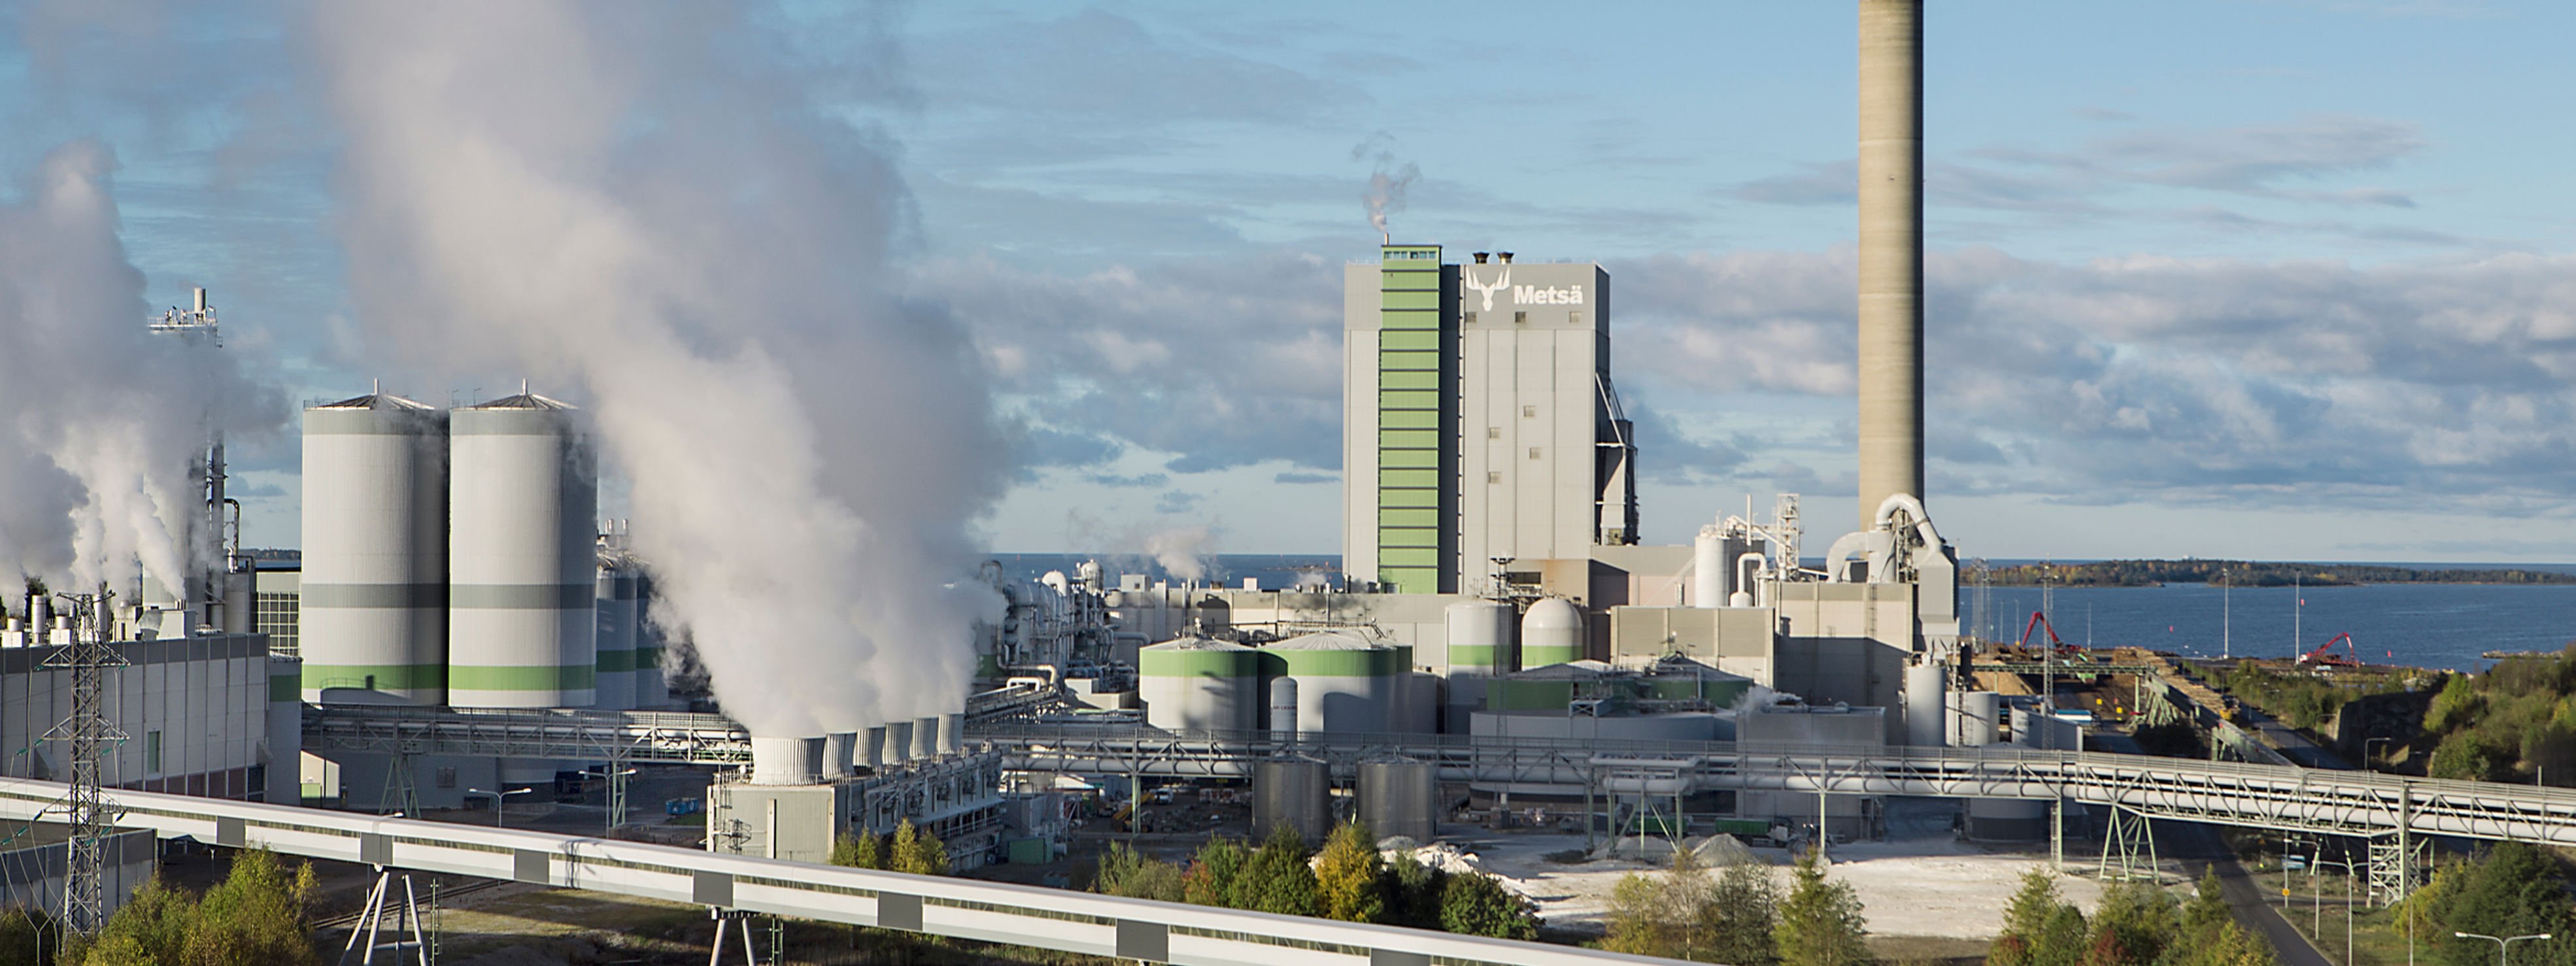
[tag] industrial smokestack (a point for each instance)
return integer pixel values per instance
(1891, 252)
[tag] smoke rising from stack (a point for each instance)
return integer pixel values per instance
(644, 211)
(1387, 182)
(102, 416)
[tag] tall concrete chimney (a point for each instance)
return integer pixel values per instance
(1891, 252)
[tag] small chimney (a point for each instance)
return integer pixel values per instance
(1505, 256)
(1480, 258)
(201, 300)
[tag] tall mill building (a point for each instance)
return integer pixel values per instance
(1482, 436)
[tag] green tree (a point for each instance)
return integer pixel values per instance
(2453, 707)
(1747, 915)
(1135, 875)
(1277, 878)
(2132, 926)
(861, 850)
(1347, 872)
(2027, 915)
(1657, 915)
(23, 935)
(2463, 755)
(1820, 921)
(1214, 872)
(1476, 904)
(256, 915)
(2515, 890)
(1413, 892)
(916, 851)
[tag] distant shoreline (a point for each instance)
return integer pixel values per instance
(2239, 573)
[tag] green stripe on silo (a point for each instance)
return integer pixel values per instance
(616, 662)
(570, 677)
(1473, 655)
(648, 658)
(1192, 664)
(1543, 656)
(380, 677)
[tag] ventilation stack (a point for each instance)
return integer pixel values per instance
(1891, 252)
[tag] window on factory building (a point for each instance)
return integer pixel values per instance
(1493, 476)
(447, 776)
(1493, 432)
(1520, 318)
(1533, 452)
(152, 752)
(1529, 411)
(1574, 318)
(1471, 318)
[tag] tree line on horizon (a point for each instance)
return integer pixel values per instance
(2242, 573)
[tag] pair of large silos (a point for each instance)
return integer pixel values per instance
(449, 558)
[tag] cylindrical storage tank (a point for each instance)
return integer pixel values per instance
(925, 736)
(1196, 684)
(1712, 571)
(873, 745)
(1283, 708)
(786, 761)
(373, 609)
(615, 608)
(1346, 683)
(898, 744)
(1479, 636)
(1980, 719)
(952, 733)
(1926, 692)
(1400, 798)
(521, 561)
(285, 753)
(1551, 633)
(1296, 792)
(840, 753)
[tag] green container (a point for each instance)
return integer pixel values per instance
(1031, 851)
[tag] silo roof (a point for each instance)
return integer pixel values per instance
(1196, 644)
(378, 400)
(524, 400)
(1330, 641)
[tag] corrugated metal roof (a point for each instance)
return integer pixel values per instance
(524, 400)
(1197, 644)
(379, 400)
(1329, 641)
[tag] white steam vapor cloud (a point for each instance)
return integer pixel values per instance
(99, 417)
(642, 202)
(1182, 551)
(1388, 182)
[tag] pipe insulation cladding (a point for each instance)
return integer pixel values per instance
(1891, 252)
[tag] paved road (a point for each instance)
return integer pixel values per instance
(2257, 902)
(2301, 751)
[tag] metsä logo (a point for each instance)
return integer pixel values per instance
(1467, 280)
(1534, 295)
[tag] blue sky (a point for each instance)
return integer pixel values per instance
(2260, 279)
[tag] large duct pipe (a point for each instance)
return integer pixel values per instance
(1891, 251)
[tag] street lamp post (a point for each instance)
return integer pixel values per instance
(497, 799)
(2349, 874)
(2501, 944)
(616, 779)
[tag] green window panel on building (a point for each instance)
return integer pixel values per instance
(1409, 399)
(1425, 341)
(1427, 300)
(1408, 517)
(1410, 419)
(1409, 539)
(1408, 439)
(1408, 459)
(1421, 498)
(1408, 556)
(1389, 479)
(1400, 379)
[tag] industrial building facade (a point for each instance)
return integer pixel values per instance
(1480, 421)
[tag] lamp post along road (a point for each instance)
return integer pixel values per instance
(2502, 944)
(498, 798)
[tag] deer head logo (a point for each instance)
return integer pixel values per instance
(1467, 279)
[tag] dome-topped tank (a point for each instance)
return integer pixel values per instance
(1196, 684)
(1346, 682)
(1551, 633)
(374, 607)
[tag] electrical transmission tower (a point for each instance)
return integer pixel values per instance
(92, 736)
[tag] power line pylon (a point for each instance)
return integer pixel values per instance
(91, 736)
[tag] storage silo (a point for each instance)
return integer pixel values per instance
(1346, 683)
(1296, 792)
(521, 563)
(1197, 684)
(1479, 636)
(1927, 692)
(616, 621)
(374, 599)
(1980, 721)
(1551, 633)
(1400, 797)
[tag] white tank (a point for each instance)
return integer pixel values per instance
(840, 753)
(1283, 708)
(1479, 636)
(616, 621)
(1926, 704)
(374, 604)
(521, 562)
(1712, 572)
(1551, 633)
(786, 761)
(1197, 684)
(1346, 683)
(1979, 723)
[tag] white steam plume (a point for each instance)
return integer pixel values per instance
(642, 201)
(99, 417)
(1182, 551)
(1387, 182)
